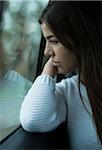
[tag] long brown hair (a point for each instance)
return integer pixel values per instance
(78, 26)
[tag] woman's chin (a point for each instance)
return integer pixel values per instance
(60, 71)
(64, 72)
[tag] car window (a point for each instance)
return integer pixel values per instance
(20, 40)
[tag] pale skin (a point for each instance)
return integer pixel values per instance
(61, 60)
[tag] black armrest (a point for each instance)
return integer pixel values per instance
(21, 139)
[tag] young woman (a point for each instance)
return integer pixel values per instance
(72, 30)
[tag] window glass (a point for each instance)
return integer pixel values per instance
(20, 42)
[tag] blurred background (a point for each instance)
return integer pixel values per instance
(19, 51)
(22, 34)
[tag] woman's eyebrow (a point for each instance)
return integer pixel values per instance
(50, 36)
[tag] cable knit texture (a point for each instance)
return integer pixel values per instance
(48, 104)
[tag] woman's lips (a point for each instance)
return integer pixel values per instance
(56, 63)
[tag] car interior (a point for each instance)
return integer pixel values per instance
(15, 137)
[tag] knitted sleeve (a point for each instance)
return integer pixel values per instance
(43, 108)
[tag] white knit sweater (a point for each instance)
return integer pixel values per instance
(13, 88)
(48, 103)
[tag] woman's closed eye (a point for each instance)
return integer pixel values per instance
(53, 41)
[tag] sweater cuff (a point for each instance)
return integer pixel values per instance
(45, 79)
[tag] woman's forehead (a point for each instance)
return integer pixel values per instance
(47, 31)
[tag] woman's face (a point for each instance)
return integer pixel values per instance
(62, 58)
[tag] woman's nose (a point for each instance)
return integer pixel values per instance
(48, 51)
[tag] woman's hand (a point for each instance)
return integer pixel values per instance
(49, 68)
